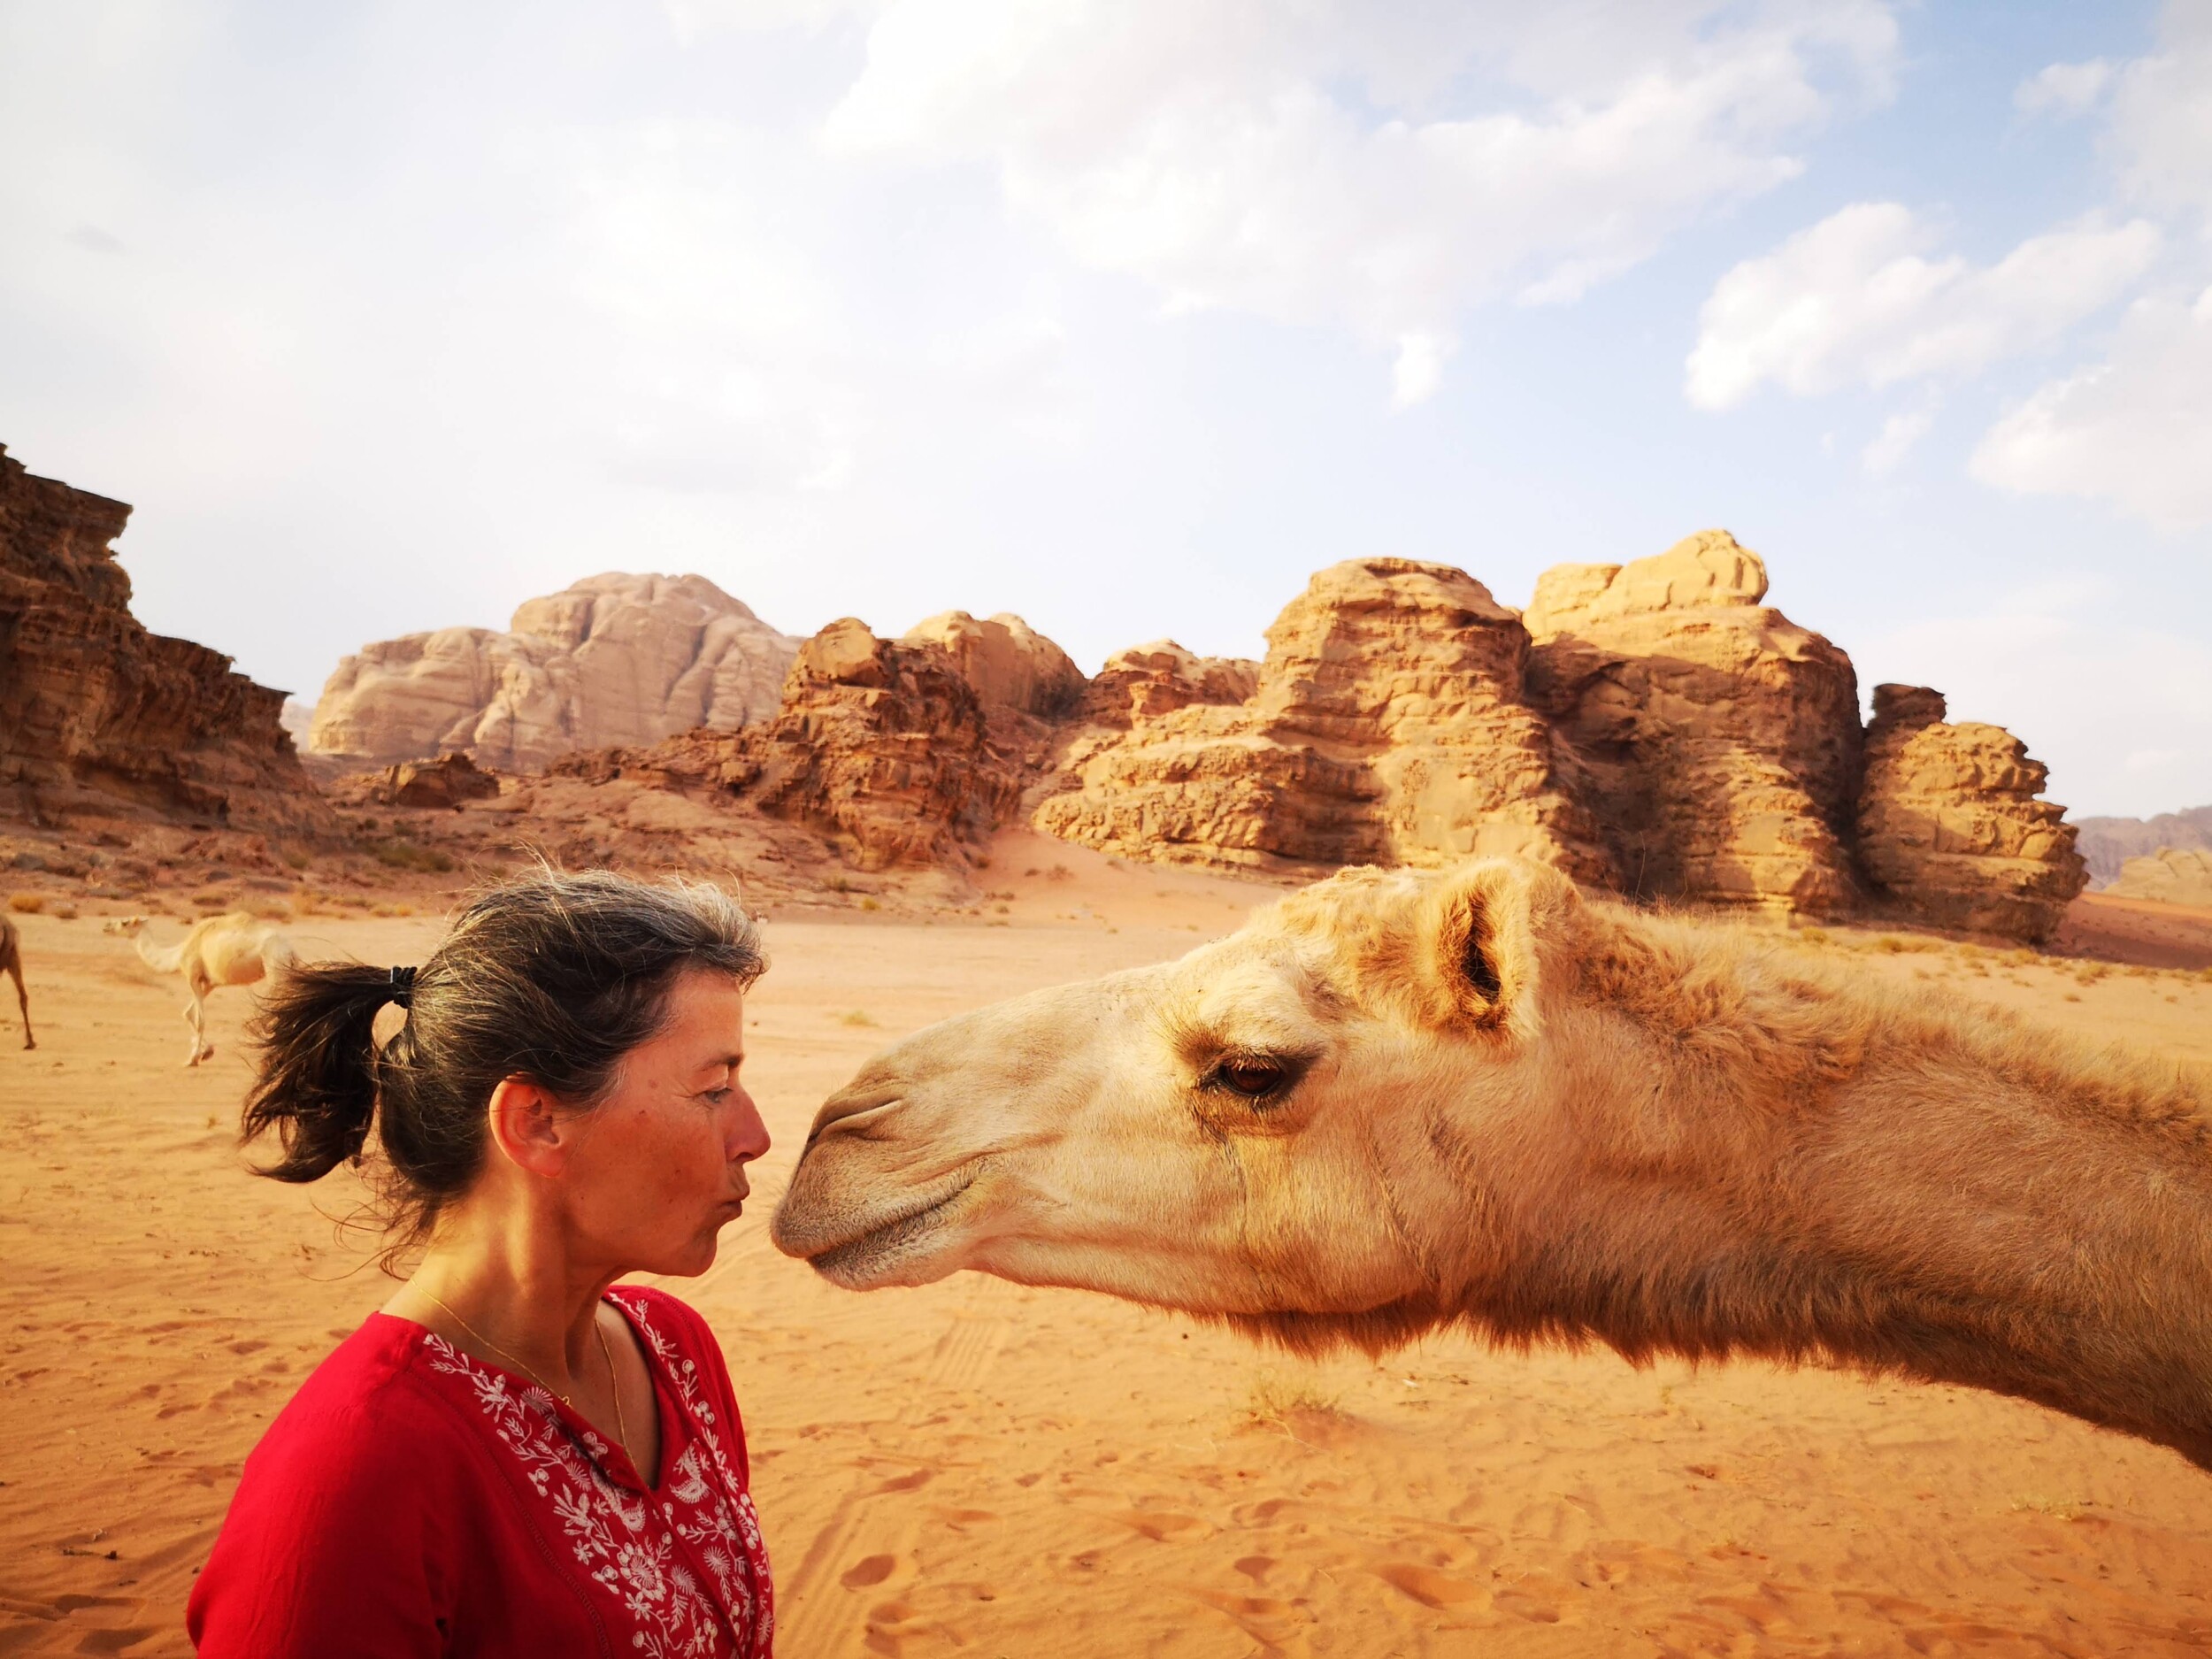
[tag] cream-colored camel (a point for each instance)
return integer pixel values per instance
(1396, 1102)
(233, 949)
(11, 964)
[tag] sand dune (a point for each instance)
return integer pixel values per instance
(978, 1469)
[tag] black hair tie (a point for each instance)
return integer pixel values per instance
(402, 987)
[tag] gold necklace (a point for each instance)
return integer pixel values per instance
(621, 1427)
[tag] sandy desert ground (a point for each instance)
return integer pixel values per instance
(982, 1470)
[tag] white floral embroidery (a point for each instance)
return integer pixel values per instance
(716, 1515)
(624, 1548)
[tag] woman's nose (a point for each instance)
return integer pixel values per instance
(751, 1140)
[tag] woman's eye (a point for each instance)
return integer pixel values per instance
(1250, 1077)
(715, 1096)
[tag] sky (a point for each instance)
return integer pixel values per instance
(1128, 315)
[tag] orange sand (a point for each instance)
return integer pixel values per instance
(978, 1469)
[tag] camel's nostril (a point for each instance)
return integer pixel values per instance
(846, 1104)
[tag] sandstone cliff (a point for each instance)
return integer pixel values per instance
(2107, 843)
(98, 715)
(1950, 824)
(881, 746)
(1387, 726)
(1652, 726)
(616, 659)
(1720, 740)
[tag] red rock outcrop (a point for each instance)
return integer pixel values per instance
(1387, 726)
(100, 718)
(447, 782)
(615, 660)
(1008, 663)
(1951, 829)
(1146, 681)
(880, 746)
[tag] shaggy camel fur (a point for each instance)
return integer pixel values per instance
(233, 949)
(11, 964)
(1396, 1101)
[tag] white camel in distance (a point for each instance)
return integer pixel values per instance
(232, 949)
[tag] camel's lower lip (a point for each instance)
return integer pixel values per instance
(850, 1261)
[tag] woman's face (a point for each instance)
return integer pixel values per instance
(658, 1167)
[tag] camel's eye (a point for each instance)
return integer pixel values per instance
(1253, 1076)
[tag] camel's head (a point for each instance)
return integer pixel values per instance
(1264, 1130)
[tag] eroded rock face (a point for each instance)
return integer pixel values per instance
(1386, 726)
(1010, 665)
(1951, 828)
(1719, 741)
(447, 782)
(1146, 681)
(100, 717)
(880, 745)
(616, 659)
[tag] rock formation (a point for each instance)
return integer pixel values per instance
(2107, 843)
(616, 659)
(446, 782)
(881, 746)
(1387, 726)
(1951, 828)
(1652, 726)
(1146, 681)
(2173, 875)
(1008, 663)
(101, 718)
(1719, 741)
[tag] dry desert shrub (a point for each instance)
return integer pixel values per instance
(27, 903)
(1278, 1402)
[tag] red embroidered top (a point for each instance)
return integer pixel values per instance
(413, 1501)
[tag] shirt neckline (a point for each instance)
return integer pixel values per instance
(615, 1461)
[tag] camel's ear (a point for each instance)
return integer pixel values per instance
(1478, 943)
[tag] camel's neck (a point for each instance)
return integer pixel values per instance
(1866, 1177)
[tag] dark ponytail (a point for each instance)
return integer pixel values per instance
(551, 976)
(316, 1085)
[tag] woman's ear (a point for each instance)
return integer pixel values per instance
(526, 1127)
(1477, 945)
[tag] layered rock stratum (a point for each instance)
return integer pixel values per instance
(99, 717)
(1386, 725)
(1951, 825)
(1654, 727)
(615, 660)
(1718, 740)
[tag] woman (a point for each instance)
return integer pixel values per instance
(511, 1458)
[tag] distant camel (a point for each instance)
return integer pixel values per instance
(11, 964)
(1399, 1102)
(233, 949)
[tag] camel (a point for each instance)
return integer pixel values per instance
(1396, 1102)
(11, 964)
(232, 949)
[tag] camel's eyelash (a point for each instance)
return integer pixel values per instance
(1290, 1067)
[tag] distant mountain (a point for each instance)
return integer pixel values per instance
(2109, 842)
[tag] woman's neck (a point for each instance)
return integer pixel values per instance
(512, 1283)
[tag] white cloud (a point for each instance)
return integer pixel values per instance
(1329, 163)
(2161, 123)
(1856, 300)
(1898, 434)
(2063, 88)
(2120, 712)
(2135, 430)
